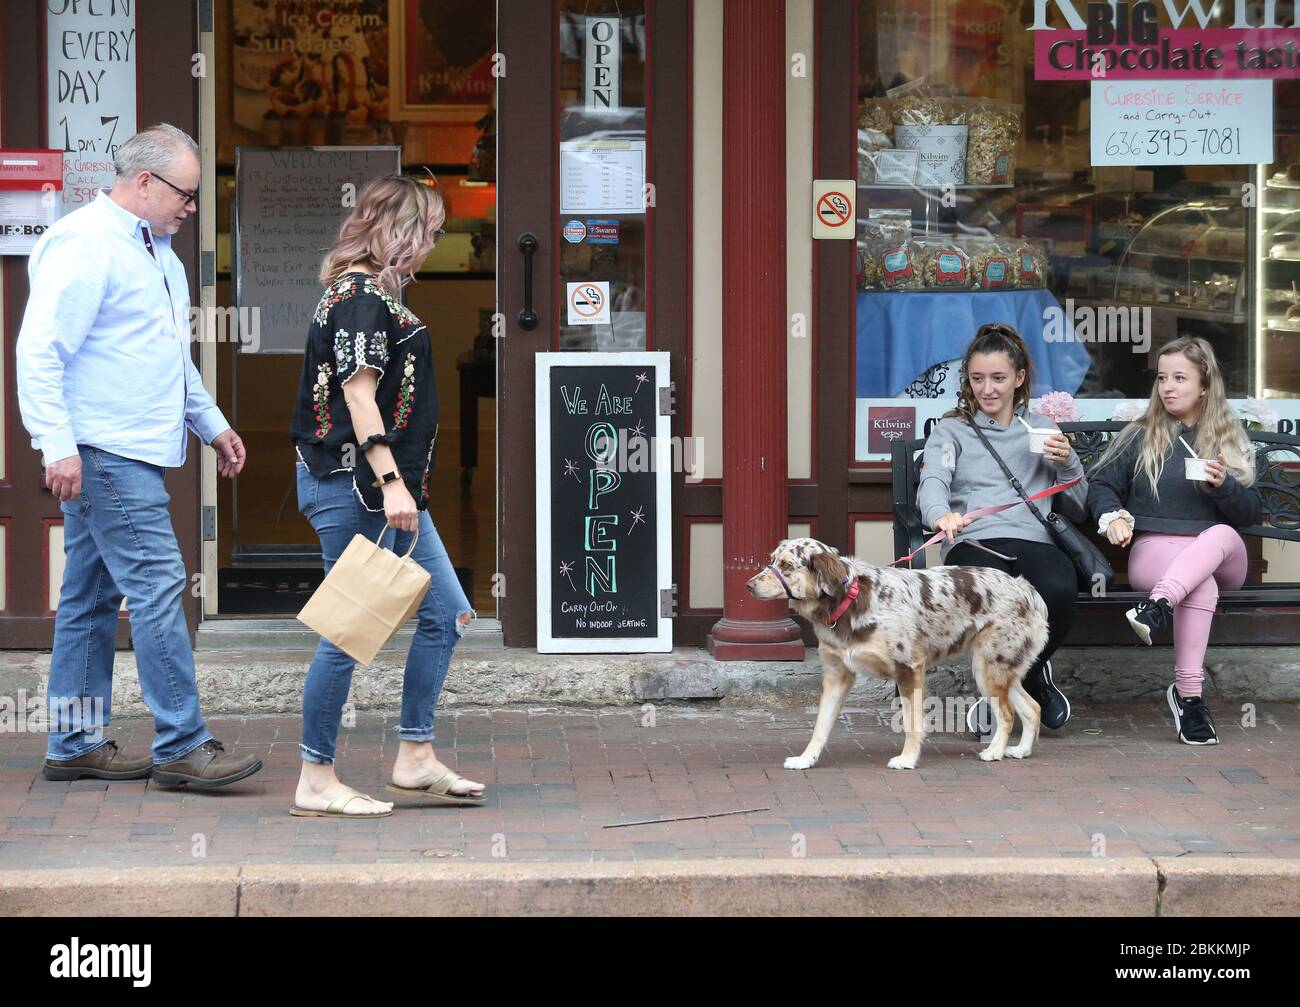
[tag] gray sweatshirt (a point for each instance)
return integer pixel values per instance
(959, 475)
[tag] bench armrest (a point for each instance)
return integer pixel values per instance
(909, 533)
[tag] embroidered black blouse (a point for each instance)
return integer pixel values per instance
(359, 324)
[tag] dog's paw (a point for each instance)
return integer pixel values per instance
(1019, 752)
(989, 755)
(902, 762)
(800, 762)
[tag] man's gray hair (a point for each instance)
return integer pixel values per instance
(152, 150)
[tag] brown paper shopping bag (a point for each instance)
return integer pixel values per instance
(367, 596)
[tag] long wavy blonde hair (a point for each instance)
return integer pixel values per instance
(391, 229)
(1217, 431)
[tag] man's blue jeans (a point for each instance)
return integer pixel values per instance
(336, 512)
(118, 539)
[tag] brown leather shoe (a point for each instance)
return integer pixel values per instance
(206, 768)
(104, 763)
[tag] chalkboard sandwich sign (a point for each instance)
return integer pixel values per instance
(604, 469)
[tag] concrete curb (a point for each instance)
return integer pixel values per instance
(252, 682)
(1228, 886)
(1208, 886)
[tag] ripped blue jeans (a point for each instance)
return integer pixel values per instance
(336, 512)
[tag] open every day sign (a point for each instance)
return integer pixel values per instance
(1182, 122)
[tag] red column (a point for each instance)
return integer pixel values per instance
(754, 329)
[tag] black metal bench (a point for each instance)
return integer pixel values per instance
(1277, 459)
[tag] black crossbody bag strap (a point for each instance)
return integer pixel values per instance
(1011, 477)
(1088, 560)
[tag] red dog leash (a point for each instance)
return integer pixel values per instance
(983, 511)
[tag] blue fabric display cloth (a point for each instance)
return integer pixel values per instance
(901, 335)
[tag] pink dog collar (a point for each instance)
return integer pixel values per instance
(844, 605)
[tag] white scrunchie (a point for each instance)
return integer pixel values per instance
(1110, 516)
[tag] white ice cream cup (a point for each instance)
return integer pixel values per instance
(1038, 439)
(1196, 469)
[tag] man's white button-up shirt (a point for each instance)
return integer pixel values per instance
(103, 358)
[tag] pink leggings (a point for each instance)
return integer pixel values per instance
(1187, 571)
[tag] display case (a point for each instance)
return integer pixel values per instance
(1190, 258)
(1278, 302)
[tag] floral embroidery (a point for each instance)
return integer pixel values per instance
(343, 350)
(428, 467)
(370, 285)
(354, 350)
(405, 394)
(346, 287)
(342, 288)
(320, 393)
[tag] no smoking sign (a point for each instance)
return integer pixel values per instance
(834, 202)
(589, 303)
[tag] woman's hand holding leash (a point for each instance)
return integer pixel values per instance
(951, 524)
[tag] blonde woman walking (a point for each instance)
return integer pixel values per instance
(365, 425)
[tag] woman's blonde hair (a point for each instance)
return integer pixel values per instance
(1217, 431)
(392, 227)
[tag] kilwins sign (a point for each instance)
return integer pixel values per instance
(1193, 39)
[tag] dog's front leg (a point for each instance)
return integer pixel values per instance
(836, 679)
(911, 689)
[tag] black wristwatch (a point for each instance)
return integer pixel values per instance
(387, 477)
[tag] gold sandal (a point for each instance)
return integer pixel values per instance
(440, 790)
(335, 808)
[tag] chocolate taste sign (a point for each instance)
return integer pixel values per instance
(603, 522)
(1204, 39)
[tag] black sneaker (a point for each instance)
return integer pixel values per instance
(1055, 708)
(1192, 719)
(1152, 616)
(979, 718)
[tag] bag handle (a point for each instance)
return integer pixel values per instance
(1010, 477)
(414, 538)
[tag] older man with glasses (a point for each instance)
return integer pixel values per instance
(108, 390)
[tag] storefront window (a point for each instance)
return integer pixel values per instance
(602, 162)
(982, 198)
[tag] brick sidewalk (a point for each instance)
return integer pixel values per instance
(557, 776)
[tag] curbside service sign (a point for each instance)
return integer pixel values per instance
(1182, 122)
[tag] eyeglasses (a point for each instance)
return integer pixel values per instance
(190, 197)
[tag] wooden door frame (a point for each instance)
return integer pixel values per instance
(167, 36)
(528, 201)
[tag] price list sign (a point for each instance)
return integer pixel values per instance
(1182, 122)
(606, 176)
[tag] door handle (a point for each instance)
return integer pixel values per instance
(528, 317)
